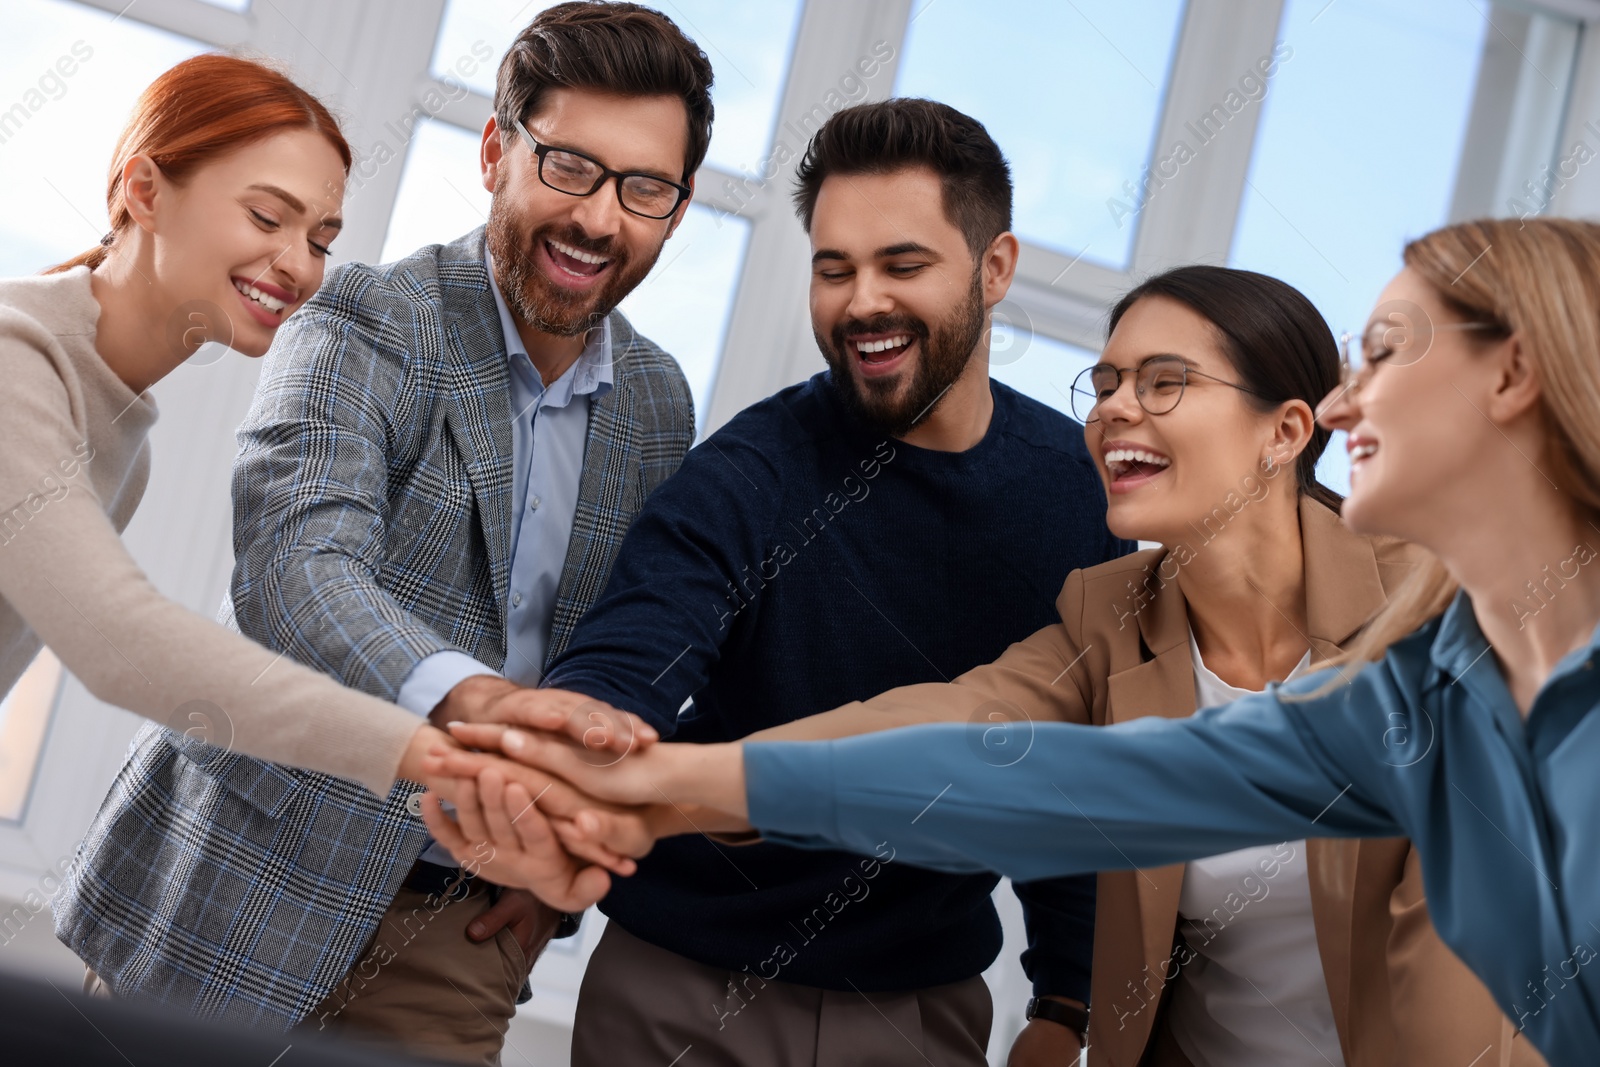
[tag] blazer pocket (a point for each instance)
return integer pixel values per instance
(264, 786)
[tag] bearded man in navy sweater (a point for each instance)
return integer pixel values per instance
(898, 518)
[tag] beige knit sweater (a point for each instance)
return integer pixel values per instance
(74, 459)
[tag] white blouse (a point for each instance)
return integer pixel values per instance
(1254, 995)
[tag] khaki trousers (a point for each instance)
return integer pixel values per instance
(424, 987)
(640, 1004)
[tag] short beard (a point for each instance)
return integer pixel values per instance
(533, 298)
(946, 351)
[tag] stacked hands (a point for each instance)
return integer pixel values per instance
(557, 792)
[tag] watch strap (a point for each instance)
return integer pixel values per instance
(1073, 1018)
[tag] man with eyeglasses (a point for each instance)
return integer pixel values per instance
(435, 477)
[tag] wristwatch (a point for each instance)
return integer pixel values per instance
(570, 921)
(1074, 1019)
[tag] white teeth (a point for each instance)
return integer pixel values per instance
(866, 347)
(1135, 455)
(1362, 451)
(271, 303)
(578, 254)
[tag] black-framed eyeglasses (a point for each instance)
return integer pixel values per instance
(1158, 385)
(576, 174)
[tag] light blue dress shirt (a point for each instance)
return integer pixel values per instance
(1427, 743)
(549, 427)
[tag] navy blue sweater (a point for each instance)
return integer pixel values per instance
(800, 560)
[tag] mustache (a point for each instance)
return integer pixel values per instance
(881, 324)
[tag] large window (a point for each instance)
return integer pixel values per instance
(1367, 138)
(1042, 93)
(69, 77)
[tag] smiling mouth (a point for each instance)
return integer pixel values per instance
(575, 261)
(1134, 463)
(884, 351)
(266, 301)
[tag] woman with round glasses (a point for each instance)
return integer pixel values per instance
(1315, 952)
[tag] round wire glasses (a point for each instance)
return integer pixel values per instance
(1158, 385)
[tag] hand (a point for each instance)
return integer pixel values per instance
(584, 825)
(710, 775)
(594, 724)
(531, 922)
(487, 698)
(519, 850)
(1043, 1043)
(449, 770)
(596, 828)
(421, 762)
(425, 742)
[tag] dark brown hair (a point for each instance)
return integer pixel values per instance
(1276, 339)
(910, 132)
(620, 48)
(203, 108)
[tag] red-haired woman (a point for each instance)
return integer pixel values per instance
(224, 192)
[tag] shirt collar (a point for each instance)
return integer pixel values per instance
(592, 371)
(1460, 643)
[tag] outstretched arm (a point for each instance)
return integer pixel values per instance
(1139, 794)
(1080, 799)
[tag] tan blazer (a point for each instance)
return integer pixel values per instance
(1121, 652)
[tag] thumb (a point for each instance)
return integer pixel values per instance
(495, 919)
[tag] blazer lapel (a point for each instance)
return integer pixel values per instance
(1343, 589)
(1162, 684)
(480, 391)
(1159, 679)
(608, 494)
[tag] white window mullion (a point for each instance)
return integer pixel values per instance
(769, 343)
(1580, 196)
(1191, 217)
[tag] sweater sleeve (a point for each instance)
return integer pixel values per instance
(65, 571)
(1086, 798)
(657, 631)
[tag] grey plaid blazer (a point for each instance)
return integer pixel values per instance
(372, 518)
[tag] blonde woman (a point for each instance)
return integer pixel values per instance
(1473, 432)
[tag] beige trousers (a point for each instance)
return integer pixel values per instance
(424, 987)
(640, 1004)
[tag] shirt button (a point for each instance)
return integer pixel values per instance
(533, 503)
(516, 600)
(414, 804)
